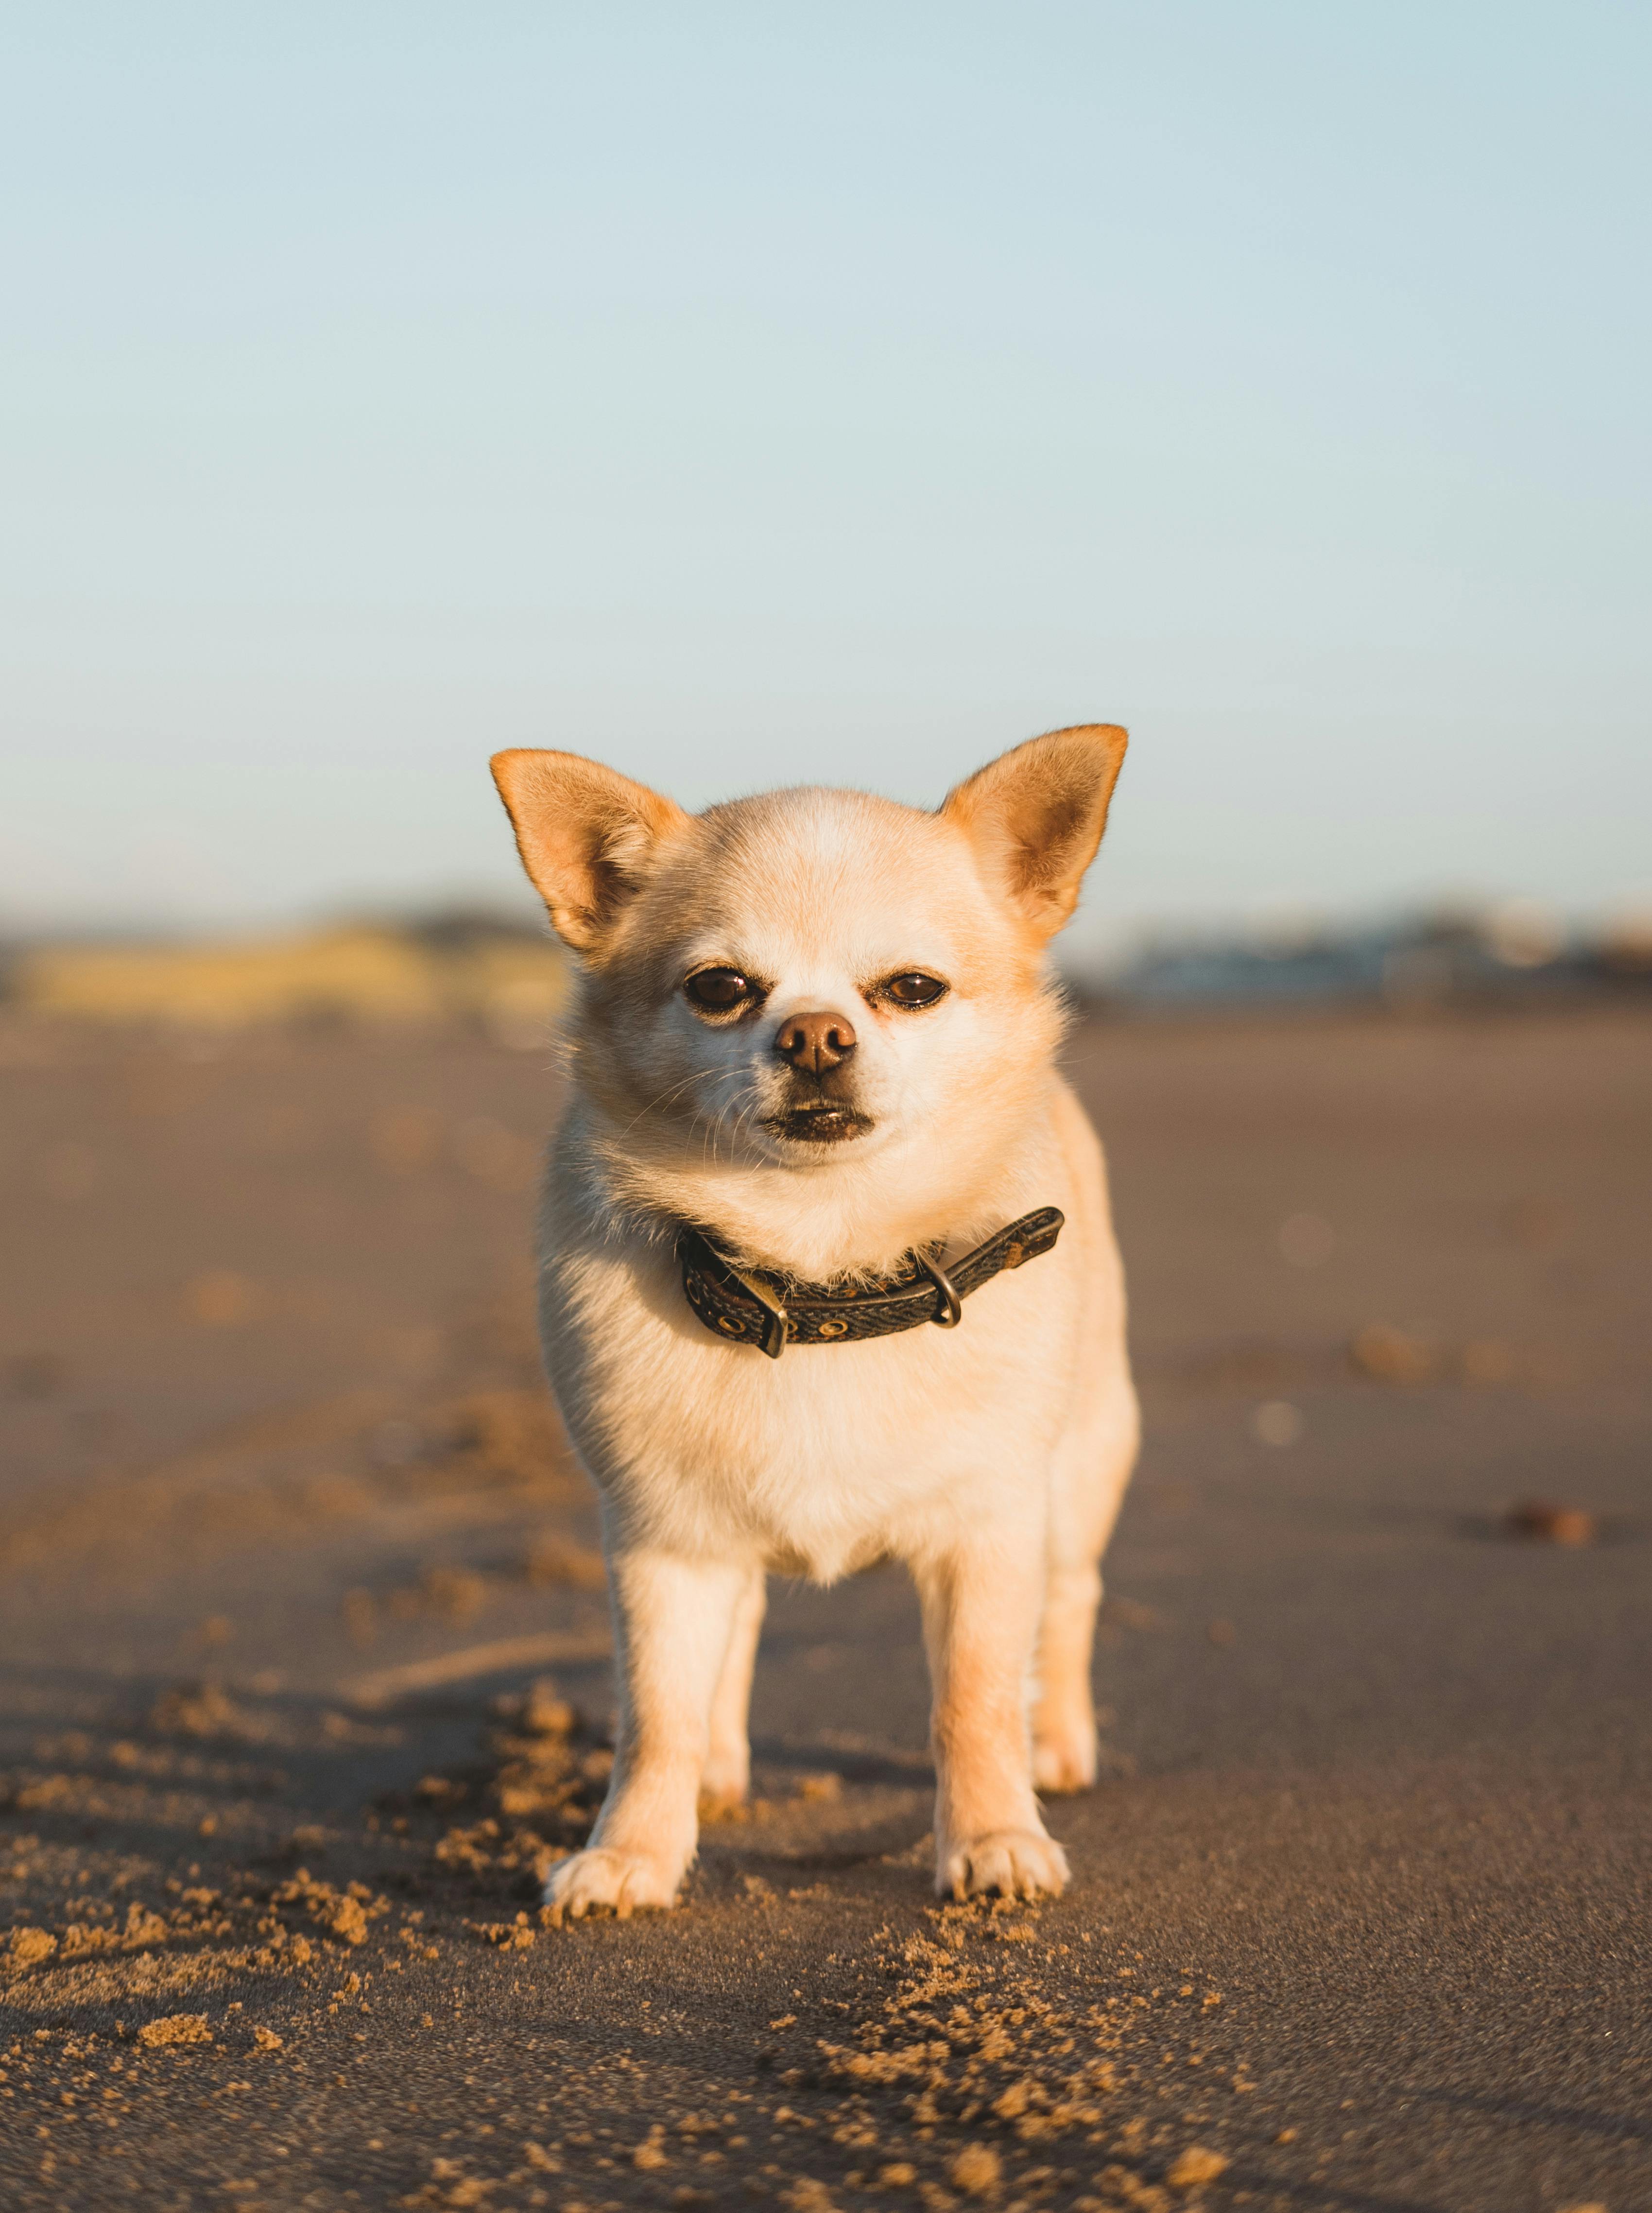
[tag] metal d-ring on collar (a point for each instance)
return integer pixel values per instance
(743, 1305)
(951, 1310)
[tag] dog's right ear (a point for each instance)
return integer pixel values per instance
(585, 834)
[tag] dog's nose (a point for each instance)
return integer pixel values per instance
(813, 1043)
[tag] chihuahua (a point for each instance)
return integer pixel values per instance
(827, 1272)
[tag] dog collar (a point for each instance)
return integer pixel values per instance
(751, 1306)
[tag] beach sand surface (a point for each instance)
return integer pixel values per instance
(305, 1676)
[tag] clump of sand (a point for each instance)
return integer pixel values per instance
(28, 1947)
(343, 1914)
(175, 2029)
(977, 2171)
(535, 1792)
(1192, 2168)
(202, 1710)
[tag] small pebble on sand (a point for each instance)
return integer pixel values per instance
(1546, 1523)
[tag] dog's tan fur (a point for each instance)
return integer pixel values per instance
(992, 1458)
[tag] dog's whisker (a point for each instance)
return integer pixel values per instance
(695, 1075)
(741, 1107)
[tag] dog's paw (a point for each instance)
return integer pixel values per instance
(725, 1803)
(602, 1879)
(1014, 1862)
(1064, 1759)
(726, 1784)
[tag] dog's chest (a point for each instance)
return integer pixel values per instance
(821, 1459)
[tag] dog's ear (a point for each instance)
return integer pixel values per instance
(1036, 817)
(585, 834)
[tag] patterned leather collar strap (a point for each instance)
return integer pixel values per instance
(751, 1306)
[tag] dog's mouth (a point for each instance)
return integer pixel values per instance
(828, 1123)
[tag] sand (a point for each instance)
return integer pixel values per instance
(304, 1650)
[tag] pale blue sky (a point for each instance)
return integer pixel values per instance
(766, 393)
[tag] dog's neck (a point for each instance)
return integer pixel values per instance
(847, 1217)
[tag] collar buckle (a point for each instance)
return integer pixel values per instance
(775, 1317)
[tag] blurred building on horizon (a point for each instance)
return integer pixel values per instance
(1509, 952)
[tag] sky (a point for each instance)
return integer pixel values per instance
(751, 395)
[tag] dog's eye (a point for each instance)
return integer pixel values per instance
(717, 989)
(914, 989)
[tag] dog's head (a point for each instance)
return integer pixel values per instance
(811, 976)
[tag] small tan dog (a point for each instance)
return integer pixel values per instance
(813, 1066)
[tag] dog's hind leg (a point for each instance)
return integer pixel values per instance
(1091, 1469)
(728, 1774)
(672, 1624)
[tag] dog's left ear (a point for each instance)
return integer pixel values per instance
(1036, 817)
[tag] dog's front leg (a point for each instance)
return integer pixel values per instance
(672, 1623)
(981, 1604)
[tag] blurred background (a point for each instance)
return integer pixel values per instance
(747, 396)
